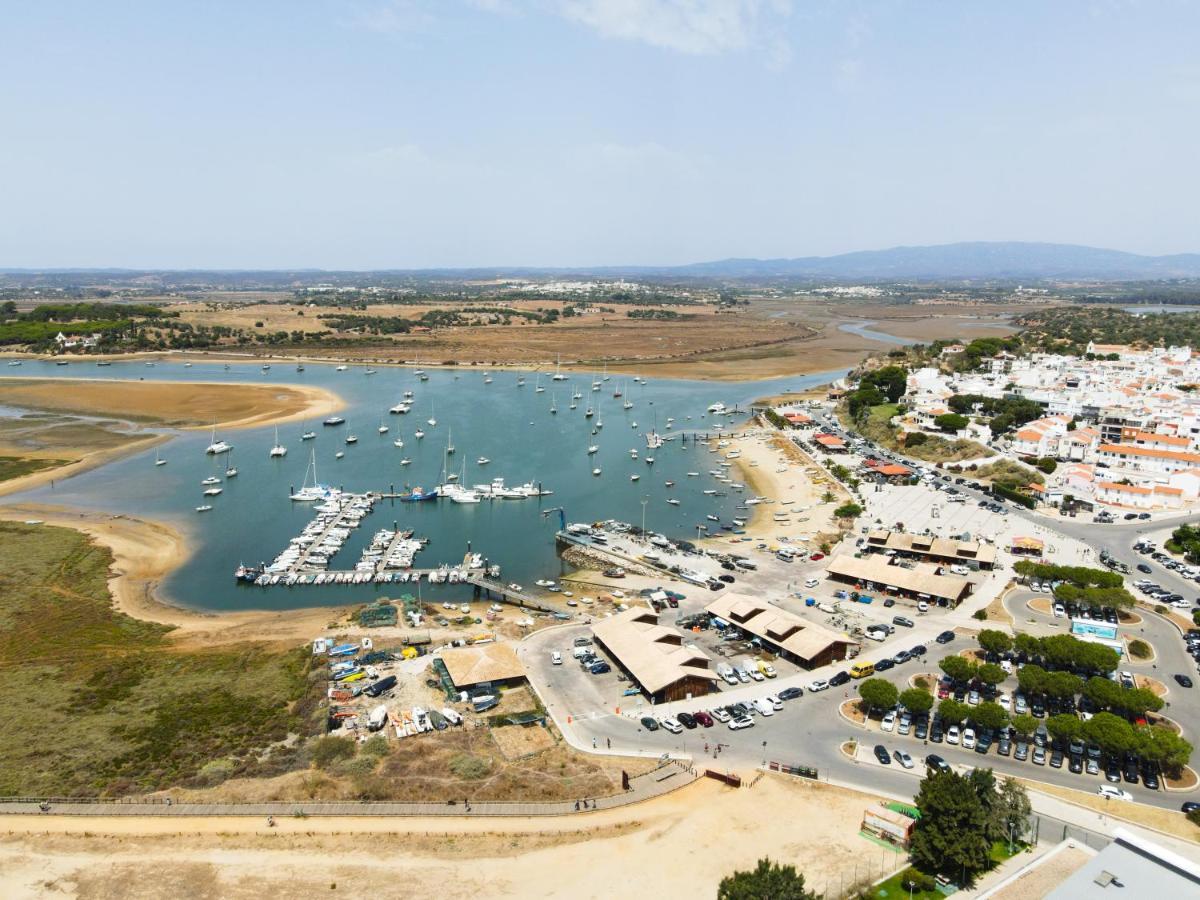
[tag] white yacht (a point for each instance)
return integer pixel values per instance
(418, 434)
(278, 450)
(212, 492)
(558, 375)
(205, 508)
(313, 490)
(383, 429)
(211, 479)
(537, 385)
(449, 443)
(406, 461)
(593, 449)
(352, 439)
(482, 461)
(158, 460)
(308, 435)
(717, 408)
(216, 447)
(398, 442)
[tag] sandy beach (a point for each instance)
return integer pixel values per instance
(678, 845)
(177, 404)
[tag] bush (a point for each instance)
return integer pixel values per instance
(1140, 649)
(921, 883)
(376, 745)
(951, 422)
(1047, 464)
(980, 614)
(215, 771)
(355, 767)
(915, 439)
(469, 767)
(329, 749)
(848, 511)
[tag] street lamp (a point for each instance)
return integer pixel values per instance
(644, 501)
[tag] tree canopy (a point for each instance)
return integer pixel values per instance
(767, 881)
(950, 837)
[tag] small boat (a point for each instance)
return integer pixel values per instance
(334, 420)
(212, 492)
(487, 379)
(300, 367)
(205, 508)
(593, 449)
(588, 413)
(537, 385)
(521, 382)
(341, 368)
(338, 455)
(482, 461)
(692, 474)
(577, 396)
(105, 362)
(405, 462)
(266, 368)
(713, 518)
(16, 362)
(596, 471)
(670, 484)
(627, 405)
(398, 442)
(634, 477)
(449, 445)
(352, 439)
(231, 472)
(158, 460)
(672, 501)
(418, 434)
(383, 429)
(369, 372)
(308, 435)
(633, 424)
(211, 479)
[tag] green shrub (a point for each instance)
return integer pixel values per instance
(469, 767)
(329, 749)
(1140, 649)
(376, 745)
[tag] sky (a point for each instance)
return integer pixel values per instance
(365, 134)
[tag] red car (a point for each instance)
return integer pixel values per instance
(703, 718)
(817, 556)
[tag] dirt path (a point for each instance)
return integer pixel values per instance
(679, 845)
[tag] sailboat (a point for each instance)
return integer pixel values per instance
(449, 443)
(398, 442)
(158, 460)
(521, 381)
(308, 435)
(487, 379)
(537, 384)
(553, 405)
(231, 469)
(558, 375)
(278, 449)
(418, 434)
(432, 418)
(215, 447)
(617, 392)
(628, 404)
(606, 371)
(383, 429)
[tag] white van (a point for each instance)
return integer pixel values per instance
(556, 658)
(764, 707)
(581, 652)
(725, 672)
(811, 582)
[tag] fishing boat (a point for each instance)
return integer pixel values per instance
(204, 508)
(278, 449)
(158, 460)
(248, 574)
(417, 495)
(334, 420)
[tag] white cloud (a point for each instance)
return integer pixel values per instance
(395, 16)
(687, 26)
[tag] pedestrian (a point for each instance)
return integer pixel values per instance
(576, 806)
(609, 740)
(593, 743)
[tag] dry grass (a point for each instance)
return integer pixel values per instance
(1169, 821)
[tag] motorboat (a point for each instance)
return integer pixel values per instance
(596, 471)
(593, 449)
(212, 491)
(482, 461)
(405, 462)
(418, 434)
(352, 439)
(211, 479)
(383, 429)
(204, 508)
(634, 477)
(341, 368)
(334, 420)
(338, 455)
(672, 501)
(308, 435)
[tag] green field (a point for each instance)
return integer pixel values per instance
(98, 703)
(17, 466)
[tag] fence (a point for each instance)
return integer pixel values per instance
(801, 771)
(663, 779)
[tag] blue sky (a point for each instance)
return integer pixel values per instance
(418, 133)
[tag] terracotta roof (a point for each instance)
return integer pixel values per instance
(876, 569)
(1152, 437)
(1132, 450)
(805, 639)
(1122, 488)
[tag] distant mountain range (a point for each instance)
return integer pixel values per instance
(975, 260)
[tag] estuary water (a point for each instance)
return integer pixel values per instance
(253, 518)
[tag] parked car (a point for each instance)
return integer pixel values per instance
(1039, 756)
(952, 734)
(741, 722)
(671, 725)
(600, 668)
(839, 679)
(649, 723)
(720, 715)
(903, 758)
(935, 764)
(968, 739)
(1108, 792)
(1021, 752)
(791, 693)
(818, 685)
(945, 637)
(889, 721)
(687, 720)
(882, 755)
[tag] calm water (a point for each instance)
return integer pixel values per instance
(254, 519)
(863, 329)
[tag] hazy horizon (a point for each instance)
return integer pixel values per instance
(414, 134)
